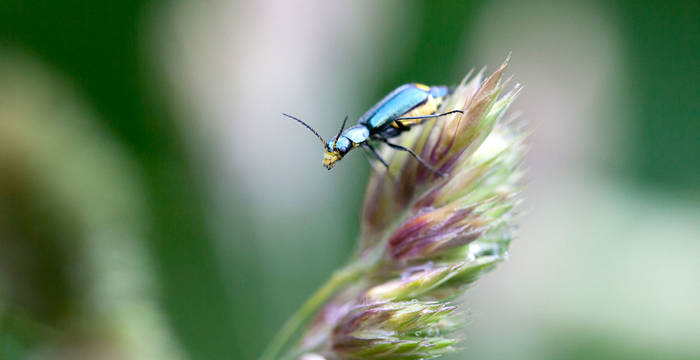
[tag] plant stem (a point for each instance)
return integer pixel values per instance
(338, 279)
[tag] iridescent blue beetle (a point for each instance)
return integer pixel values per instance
(407, 105)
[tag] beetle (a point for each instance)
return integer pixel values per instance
(406, 106)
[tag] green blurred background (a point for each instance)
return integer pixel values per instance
(155, 205)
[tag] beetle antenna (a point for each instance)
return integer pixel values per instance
(342, 127)
(308, 127)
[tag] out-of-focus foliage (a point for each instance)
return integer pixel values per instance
(75, 279)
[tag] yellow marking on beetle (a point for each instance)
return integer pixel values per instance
(422, 87)
(429, 107)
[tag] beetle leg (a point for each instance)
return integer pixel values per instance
(423, 162)
(370, 161)
(427, 116)
(376, 154)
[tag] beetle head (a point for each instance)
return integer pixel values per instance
(330, 157)
(334, 150)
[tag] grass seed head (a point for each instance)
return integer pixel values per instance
(426, 237)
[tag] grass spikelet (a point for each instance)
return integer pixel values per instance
(424, 237)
